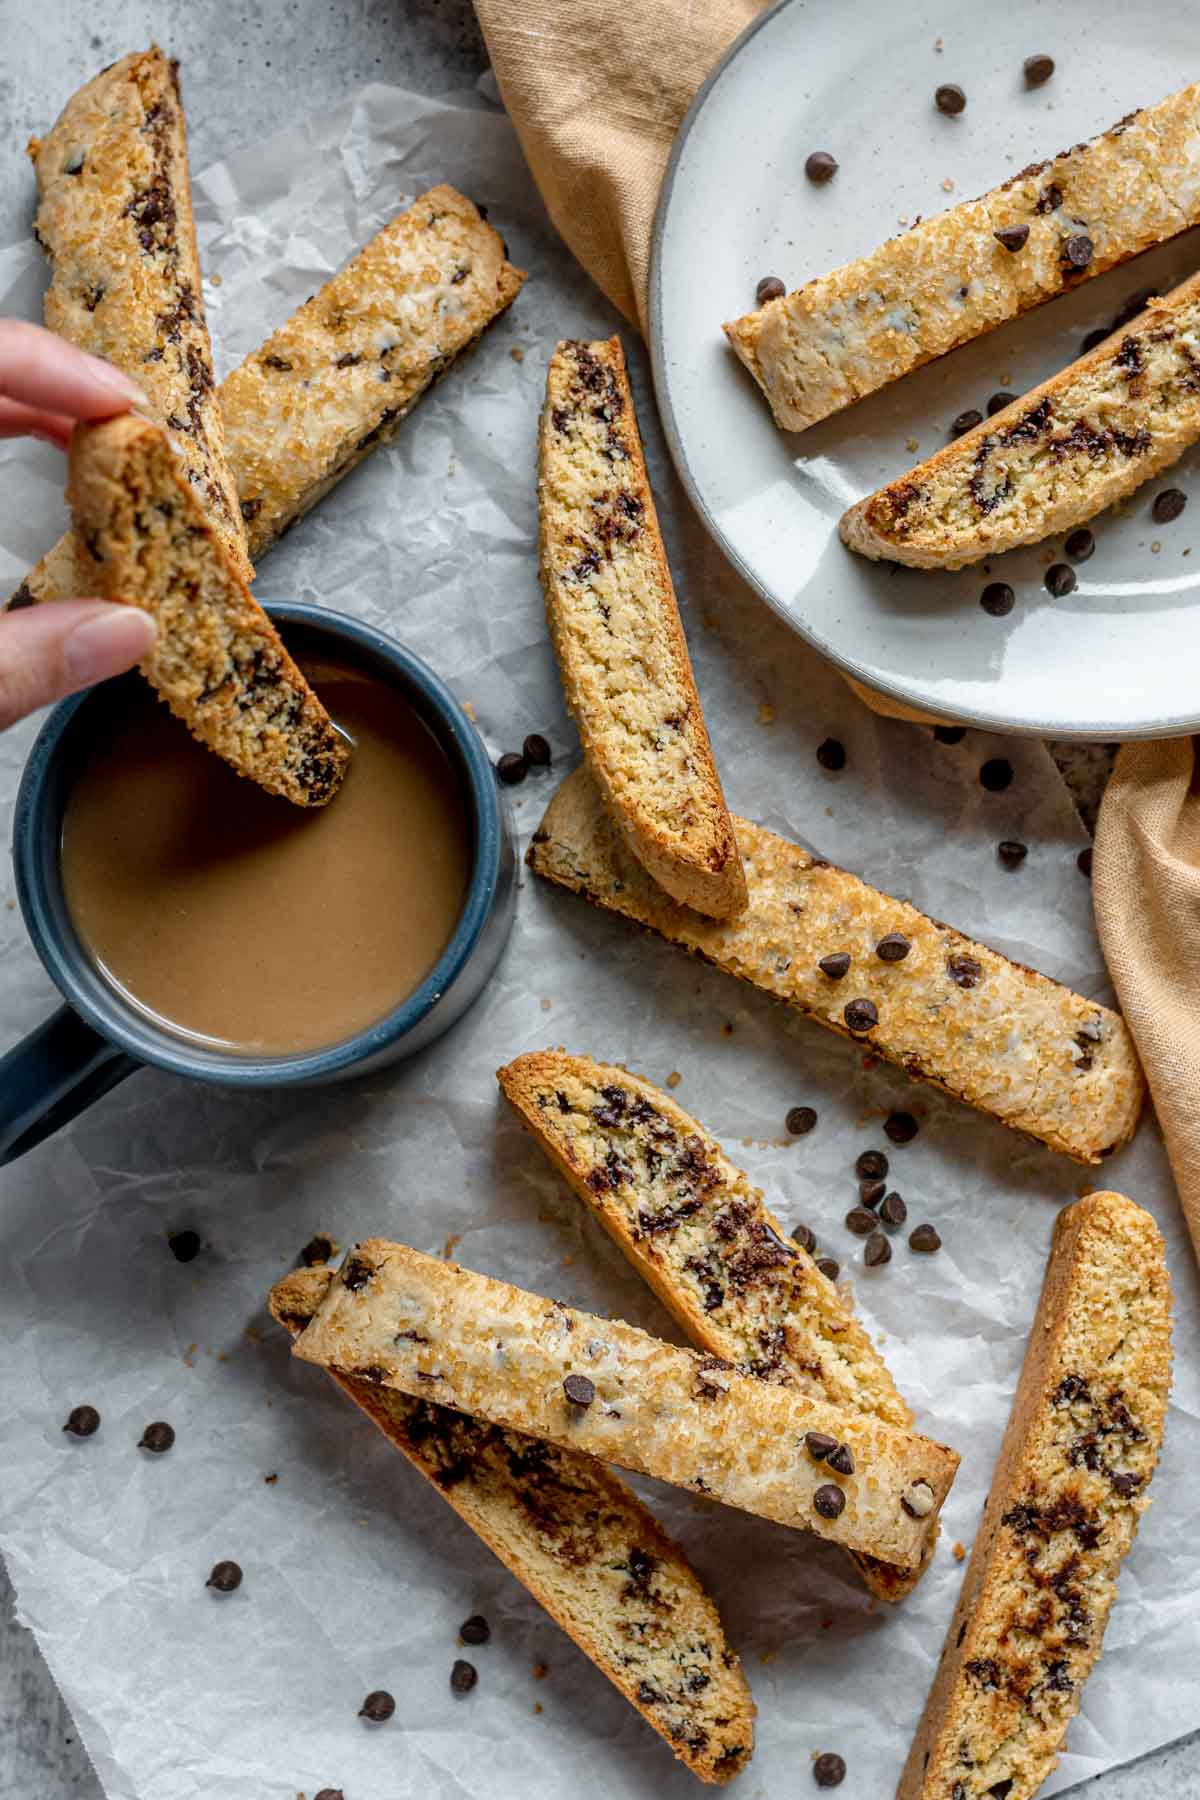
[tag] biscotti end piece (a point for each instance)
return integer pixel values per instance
(219, 662)
(586, 1548)
(614, 622)
(1068, 1492)
(1052, 459)
(1001, 1037)
(401, 1319)
(951, 278)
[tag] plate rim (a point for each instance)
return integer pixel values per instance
(892, 689)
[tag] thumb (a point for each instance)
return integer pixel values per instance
(47, 652)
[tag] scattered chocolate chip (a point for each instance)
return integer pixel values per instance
(1168, 505)
(893, 1210)
(966, 421)
(1078, 250)
(831, 754)
(1083, 862)
(829, 1770)
(225, 1577)
(82, 1421)
(1060, 580)
(900, 1128)
(893, 947)
(950, 99)
(769, 288)
(579, 1389)
(836, 966)
(871, 1165)
(1094, 339)
(820, 167)
(157, 1438)
(318, 1250)
(878, 1251)
(998, 401)
(819, 1444)
(536, 751)
(996, 774)
(1012, 237)
(800, 1120)
(378, 1707)
(1038, 70)
(860, 1220)
(924, 1238)
(918, 1500)
(828, 1267)
(184, 1245)
(804, 1237)
(997, 599)
(870, 1193)
(860, 1015)
(841, 1459)
(949, 734)
(475, 1630)
(463, 1677)
(829, 1500)
(1080, 545)
(1011, 853)
(512, 768)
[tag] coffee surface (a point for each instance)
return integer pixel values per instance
(240, 921)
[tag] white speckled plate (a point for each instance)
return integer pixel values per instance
(1118, 658)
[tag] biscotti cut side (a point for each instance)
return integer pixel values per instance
(1068, 1492)
(587, 1549)
(401, 1319)
(115, 217)
(1054, 458)
(949, 279)
(614, 622)
(1001, 1037)
(219, 662)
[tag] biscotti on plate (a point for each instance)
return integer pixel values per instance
(700, 1233)
(614, 622)
(586, 1548)
(219, 662)
(999, 1036)
(1055, 457)
(115, 217)
(1068, 1491)
(401, 1319)
(971, 268)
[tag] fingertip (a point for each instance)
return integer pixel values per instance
(108, 642)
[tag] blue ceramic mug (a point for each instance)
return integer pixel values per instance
(98, 1037)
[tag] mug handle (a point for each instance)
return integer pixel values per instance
(51, 1076)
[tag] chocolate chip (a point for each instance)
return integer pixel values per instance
(1080, 545)
(860, 1015)
(225, 1577)
(860, 1220)
(871, 1165)
(964, 971)
(1038, 70)
(878, 1251)
(475, 1630)
(378, 1706)
(829, 1770)
(579, 1389)
(925, 1239)
(1012, 237)
(82, 1421)
(996, 774)
(463, 1677)
(841, 1459)
(950, 98)
(893, 947)
(1000, 1790)
(356, 1274)
(512, 768)
(769, 288)
(966, 421)
(1094, 339)
(831, 755)
(819, 1444)
(900, 1128)
(157, 1438)
(318, 1250)
(828, 1267)
(536, 751)
(184, 1245)
(1126, 1485)
(1168, 505)
(331, 1794)
(1083, 862)
(893, 1211)
(918, 1501)
(829, 1500)
(806, 1239)
(997, 599)
(949, 734)
(1011, 853)
(800, 1120)
(820, 167)
(1060, 580)
(836, 966)
(870, 1193)
(1078, 250)
(998, 401)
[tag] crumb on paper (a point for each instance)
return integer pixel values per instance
(12, 905)
(214, 281)
(939, 43)
(451, 1245)
(674, 1078)
(766, 713)
(517, 354)
(540, 1671)
(1155, 547)
(1187, 552)
(537, 1706)
(911, 444)
(960, 1550)
(747, 1143)
(903, 219)
(545, 1003)
(468, 707)
(189, 1357)
(727, 1029)
(270, 1480)
(1004, 380)
(947, 186)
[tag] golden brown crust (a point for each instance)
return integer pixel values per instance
(614, 622)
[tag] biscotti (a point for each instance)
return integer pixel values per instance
(1055, 457)
(219, 662)
(955, 276)
(700, 1233)
(1001, 1037)
(401, 1319)
(115, 217)
(347, 368)
(615, 626)
(587, 1549)
(1069, 1489)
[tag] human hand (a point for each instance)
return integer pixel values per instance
(47, 652)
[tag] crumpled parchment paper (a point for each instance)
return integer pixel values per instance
(356, 1574)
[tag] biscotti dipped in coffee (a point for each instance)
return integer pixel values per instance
(1067, 1494)
(614, 622)
(115, 218)
(1052, 459)
(587, 1549)
(702, 1236)
(401, 1319)
(999, 1036)
(219, 662)
(951, 278)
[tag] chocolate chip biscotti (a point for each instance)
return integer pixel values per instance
(1055, 457)
(397, 1318)
(701, 1234)
(614, 622)
(999, 1036)
(955, 276)
(219, 662)
(586, 1548)
(115, 218)
(1069, 1489)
